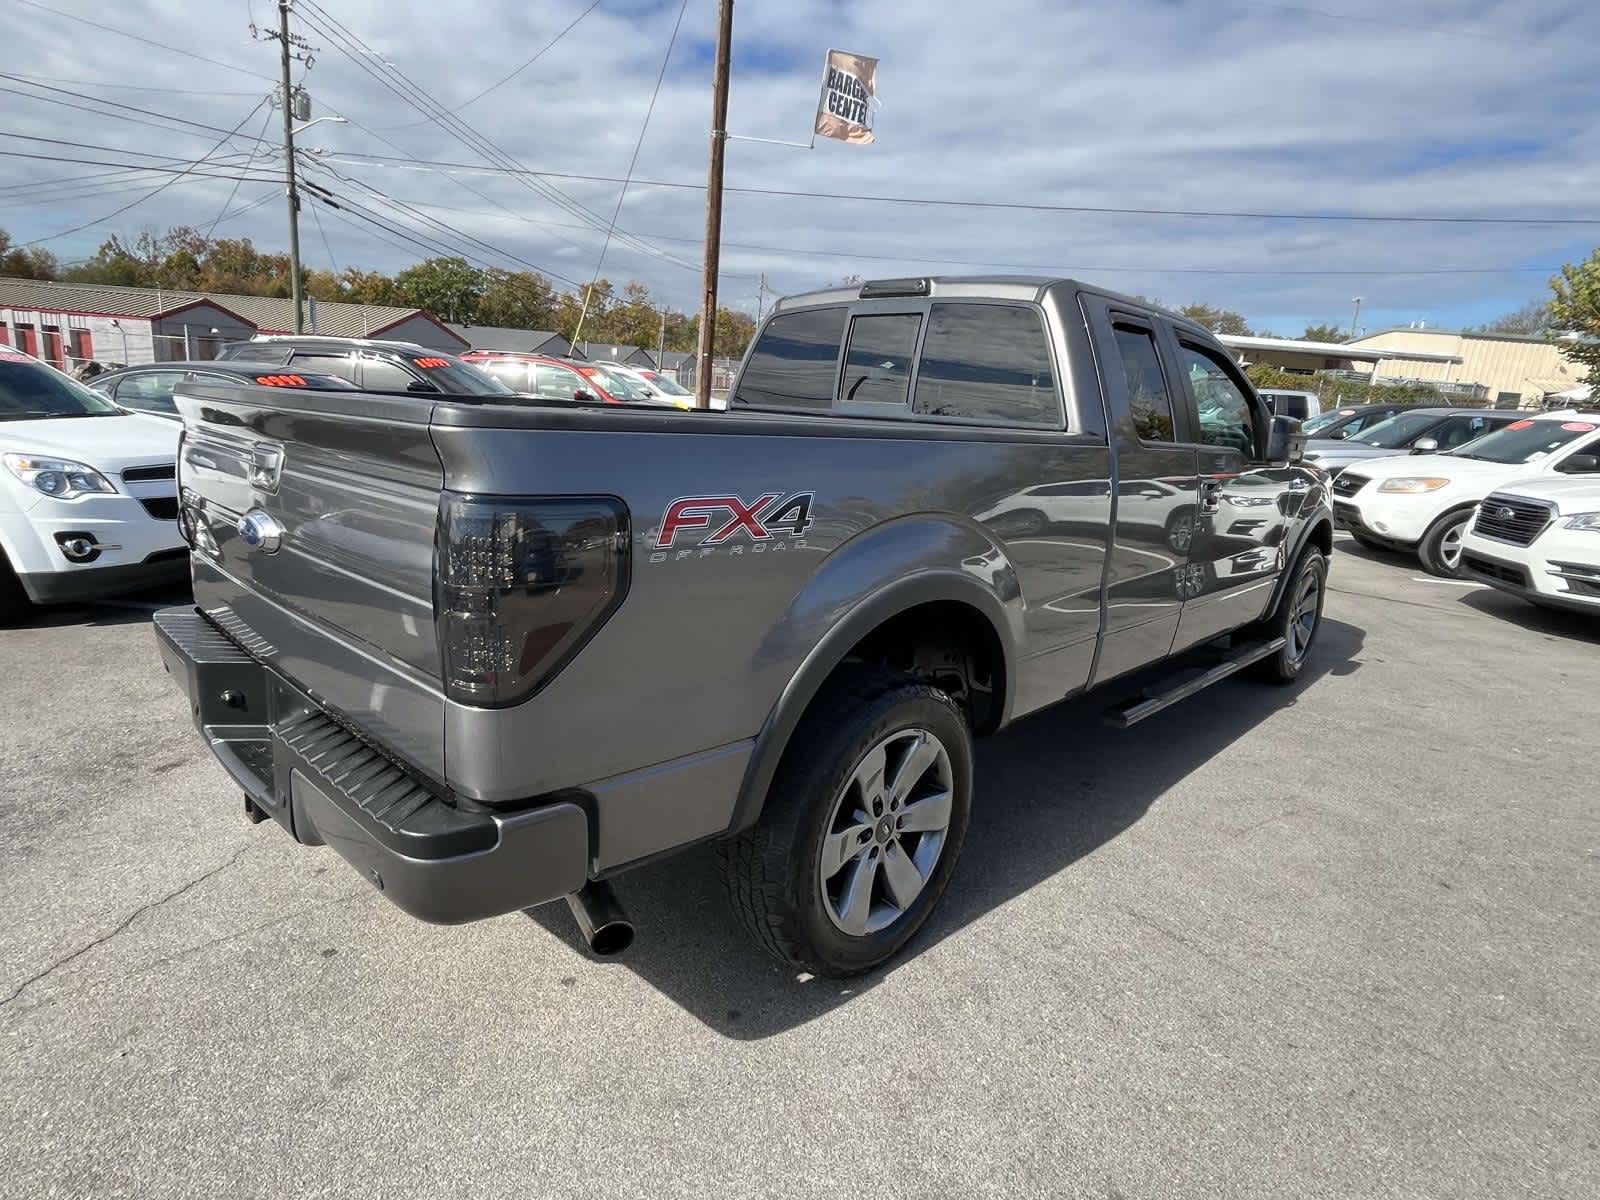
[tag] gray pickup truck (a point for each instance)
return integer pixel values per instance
(496, 651)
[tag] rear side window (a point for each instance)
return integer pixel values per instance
(1149, 399)
(557, 383)
(793, 362)
(149, 391)
(987, 362)
(342, 365)
(877, 367)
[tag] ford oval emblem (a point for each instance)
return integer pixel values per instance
(259, 531)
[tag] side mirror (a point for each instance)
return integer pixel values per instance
(420, 385)
(1338, 435)
(580, 394)
(1425, 446)
(1285, 443)
(1581, 464)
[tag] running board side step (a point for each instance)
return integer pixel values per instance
(1147, 704)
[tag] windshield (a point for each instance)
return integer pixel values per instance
(1525, 441)
(1397, 431)
(619, 385)
(458, 377)
(30, 390)
(1318, 423)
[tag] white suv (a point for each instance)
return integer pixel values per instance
(1539, 539)
(1425, 504)
(88, 496)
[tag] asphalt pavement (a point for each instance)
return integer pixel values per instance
(1340, 939)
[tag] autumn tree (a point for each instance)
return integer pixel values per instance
(1218, 320)
(516, 300)
(26, 262)
(1531, 319)
(450, 288)
(1575, 309)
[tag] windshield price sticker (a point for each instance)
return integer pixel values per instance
(1579, 427)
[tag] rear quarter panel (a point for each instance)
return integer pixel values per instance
(711, 634)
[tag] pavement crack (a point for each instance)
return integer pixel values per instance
(120, 927)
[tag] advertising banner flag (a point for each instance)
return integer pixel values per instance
(849, 91)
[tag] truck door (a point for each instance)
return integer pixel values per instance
(1244, 509)
(1154, 519)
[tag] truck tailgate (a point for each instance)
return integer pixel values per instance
(340, 491)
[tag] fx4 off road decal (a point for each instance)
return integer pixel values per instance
(699, 525)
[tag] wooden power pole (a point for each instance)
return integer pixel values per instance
(288, 168)
(719, 142)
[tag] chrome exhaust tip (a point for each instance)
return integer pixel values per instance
(605, 927)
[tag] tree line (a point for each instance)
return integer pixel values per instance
(454, 290)
(184, 259)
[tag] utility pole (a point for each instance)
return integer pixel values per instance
(661, 345)
(719, 143)
(1355, 316)
(761, 297)
(288, 167)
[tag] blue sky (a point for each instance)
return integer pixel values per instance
(1334, 106)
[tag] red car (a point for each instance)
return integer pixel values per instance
(542, 376)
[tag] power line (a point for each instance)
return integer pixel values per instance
(172, 122)
(129, 87)
(355, 157)
(265, 121)
(81, 20)
(153, 192)
(360, 53)
(638, 145)
(538, 54)
(316, 218)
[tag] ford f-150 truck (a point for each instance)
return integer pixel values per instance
(497, 651)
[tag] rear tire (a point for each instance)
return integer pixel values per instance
(1440, 548)
(862, 825)
(14, 603)
(1297, 619)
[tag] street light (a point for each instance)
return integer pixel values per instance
(1356, 316)
(299, 129)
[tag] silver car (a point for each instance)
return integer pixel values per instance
(1414, 431)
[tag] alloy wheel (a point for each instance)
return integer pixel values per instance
(885, 832)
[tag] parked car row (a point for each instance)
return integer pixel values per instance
(1517, 507)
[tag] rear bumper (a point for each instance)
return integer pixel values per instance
(296, 763)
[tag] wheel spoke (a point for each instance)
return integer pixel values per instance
(924, 751)
(901, 876)
(841, 847)
(855, 906)
(927, 815)
(869, 777)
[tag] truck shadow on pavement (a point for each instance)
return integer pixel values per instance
(134, 608)
(1050, 790)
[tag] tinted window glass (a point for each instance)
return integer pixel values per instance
(515, 375)
(792, 363)
(380, 375)
(1225, 417)
(989, 362)
(1148, 397)
(877, 367)
(342, 365)
(29, 389)
(149, 391)
(1458, 431)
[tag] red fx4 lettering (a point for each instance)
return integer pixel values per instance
(762, 518)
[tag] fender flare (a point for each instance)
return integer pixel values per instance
(1291, 556)
(796, 697)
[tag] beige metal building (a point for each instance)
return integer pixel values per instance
(1517, 371)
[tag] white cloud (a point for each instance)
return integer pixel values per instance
(1222, 105)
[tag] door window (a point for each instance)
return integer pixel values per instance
(381, 375)
(1458, 431)
(1149, 401)
(557, 383)
(515, 375)
(877, 367)
(1225, 415)
(987, 362)
(149, 391)
(792, 365)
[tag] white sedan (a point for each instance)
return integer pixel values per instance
(88, 497)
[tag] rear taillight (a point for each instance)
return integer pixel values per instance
(520, 586)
